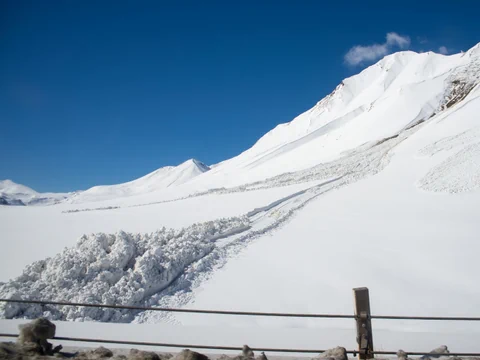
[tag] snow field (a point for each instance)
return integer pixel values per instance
(376, 186)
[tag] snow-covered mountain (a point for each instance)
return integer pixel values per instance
(159, 179)
(12, 193)
(16, 194)
(378, 185)
(401, 90)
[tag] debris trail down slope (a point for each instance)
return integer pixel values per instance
(127, 268)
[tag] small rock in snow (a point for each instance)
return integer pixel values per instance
(33, 336)
(143, 355)
(338, 353)
(247, 352)
(262, 356)
(102, 352)
(436, 353)
(402, 355)
(190, 355)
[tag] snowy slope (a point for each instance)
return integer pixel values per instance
(401, 90)
(415, 249)
(397, 92)
(162, 178)
(17, 194)
(378, 185)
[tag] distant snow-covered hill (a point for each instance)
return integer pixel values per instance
(162, 178)
(12, 193)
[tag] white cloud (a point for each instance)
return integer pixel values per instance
(401, 41)
(443, 50)
(359, 53)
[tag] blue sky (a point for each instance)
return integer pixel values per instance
(101, 92)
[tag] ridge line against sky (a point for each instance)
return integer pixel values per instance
(365, 54)
(104, 93)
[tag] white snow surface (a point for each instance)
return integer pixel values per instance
(377, 185)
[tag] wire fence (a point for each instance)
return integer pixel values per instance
(364, 353)
(243, 313)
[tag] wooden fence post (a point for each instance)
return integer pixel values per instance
(364, 324)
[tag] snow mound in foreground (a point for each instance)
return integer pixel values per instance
(121, 269)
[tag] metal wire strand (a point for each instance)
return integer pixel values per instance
(244, 313)
(198, 311)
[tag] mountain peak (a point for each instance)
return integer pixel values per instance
(7, 182)
(18, 194)
(10, 187)
(159, 179)
(200, 165)
(399, 90)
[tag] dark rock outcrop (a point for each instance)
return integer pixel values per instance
(33, 337)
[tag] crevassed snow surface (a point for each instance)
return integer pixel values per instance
(376, 186)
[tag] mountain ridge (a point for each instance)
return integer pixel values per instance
(399, 91)
(159, 179)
